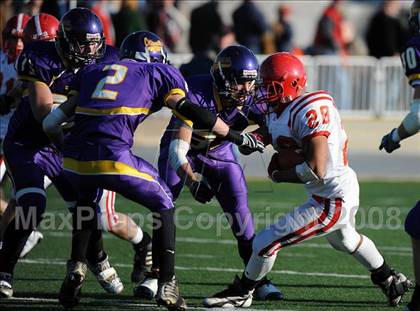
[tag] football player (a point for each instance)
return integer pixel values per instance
(11, 90)
(227, 91)
(12, 46)
(47, 68)
(43, 27)
(110, 101)
(310, 123)
(39, 27)
(409, 127)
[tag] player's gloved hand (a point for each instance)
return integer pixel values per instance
(5, 104)
(201, 191)
(250, 144)
(388, 143)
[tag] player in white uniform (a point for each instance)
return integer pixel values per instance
(12, 46)
(410, 126)
(306, 131)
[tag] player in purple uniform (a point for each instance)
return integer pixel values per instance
(410, 58)
(227, 92)
(110, 101)
(30, 156)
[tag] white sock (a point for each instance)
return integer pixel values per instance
(368, 255)
(138, 237)
(258, 266)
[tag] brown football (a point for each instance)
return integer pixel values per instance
(285, 159)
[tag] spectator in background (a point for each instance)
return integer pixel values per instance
(385, 35)
(251, 29)
(128, 19)
(206, 32)
(101, 9)
(329, 34)
(32, 7)
(282, 30)
(53, 7)
(6, 12)
(165, 20)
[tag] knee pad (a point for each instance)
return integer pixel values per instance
(261, 242)
(347, 243)
(412, 222)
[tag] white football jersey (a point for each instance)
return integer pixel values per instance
(8, 77)
(310, 115)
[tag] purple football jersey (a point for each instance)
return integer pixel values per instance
(410, 58)
(114, 99)
(39, 61)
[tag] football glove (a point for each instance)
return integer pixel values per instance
(5, 104)
(250, 144)
(201, 191)
(388, 143)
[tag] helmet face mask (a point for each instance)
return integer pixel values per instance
(144, 46)
(234, 73)
(80, 38)
(237, 92)
(414, 18)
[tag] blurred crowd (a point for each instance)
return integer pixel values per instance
(385, 35)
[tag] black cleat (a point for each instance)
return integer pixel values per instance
(70, 291)
(142, 259)
(168, 296)
(394, 287)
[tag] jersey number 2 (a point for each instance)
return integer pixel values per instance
(100, 91)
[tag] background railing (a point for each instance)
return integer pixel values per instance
(361, 86)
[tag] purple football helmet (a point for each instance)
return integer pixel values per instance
(144, 46)
(234, 65)
(80, 38)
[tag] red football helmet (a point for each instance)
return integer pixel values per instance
(284, 78)
(12, 35)
(41, 27)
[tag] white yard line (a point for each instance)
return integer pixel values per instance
(55, 261)
(390, 250)
(230, 241)
(124, 303)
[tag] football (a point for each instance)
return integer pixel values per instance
(285, 159)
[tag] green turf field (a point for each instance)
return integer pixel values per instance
(312, 276)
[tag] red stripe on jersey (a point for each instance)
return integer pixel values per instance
(108, 209)
(114, 214)
(305, 97)
(292, 118)
(315, 134)
(1, 159)
(297, 232)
